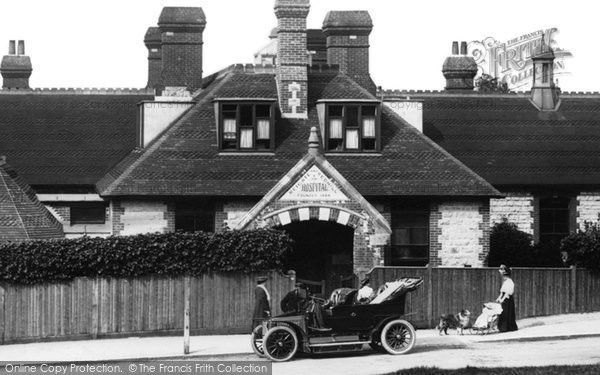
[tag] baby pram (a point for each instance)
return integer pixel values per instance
(488, 319)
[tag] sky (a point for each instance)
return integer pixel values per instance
(100, 43)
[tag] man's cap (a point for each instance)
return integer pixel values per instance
(262, 279)
(300, 285)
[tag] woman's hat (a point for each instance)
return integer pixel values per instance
(262, 279)
(505, 270)
(365, 281)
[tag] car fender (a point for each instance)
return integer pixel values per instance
(383, 322)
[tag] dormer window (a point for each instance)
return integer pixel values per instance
(352, 128)
(247, 126)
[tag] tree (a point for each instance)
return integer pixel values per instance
(583, 248)
(510, 246)
(488, 83)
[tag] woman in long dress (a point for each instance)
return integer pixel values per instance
(507, 319)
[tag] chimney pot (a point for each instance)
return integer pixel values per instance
(463, 48)
(21, 50)
(11, 47)
(454, 48)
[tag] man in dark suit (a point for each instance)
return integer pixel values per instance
(262, 307)
(295, 301)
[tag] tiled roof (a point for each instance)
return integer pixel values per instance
(507, 141)
(185, 159)
(22, 216)
(66, 137)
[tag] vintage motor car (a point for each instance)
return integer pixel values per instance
(346, 325)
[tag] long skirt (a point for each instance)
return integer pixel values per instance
(507, 319)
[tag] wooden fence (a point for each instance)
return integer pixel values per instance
(220, 304)
(90, 308)
(538, 291)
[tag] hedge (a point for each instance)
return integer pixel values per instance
(170, 254)
(582, 249)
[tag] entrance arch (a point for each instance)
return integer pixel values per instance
(323, 251)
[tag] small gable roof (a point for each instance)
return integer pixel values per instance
(22, 216)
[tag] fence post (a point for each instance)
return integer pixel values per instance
(95, 307)
(429, 294)
(2, 316)
(186, 317)
(573, 291)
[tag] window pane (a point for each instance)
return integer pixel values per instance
(246, 116)
(246, 138)
(335, 129)
(352, 139)
(336, 110)
(88, 214)
(262, 129)
(263, 111)
(369, 127)
(368, 111)
(351, 116)
(401, 236)
(229, 107)
(419, 236)
(229, 129)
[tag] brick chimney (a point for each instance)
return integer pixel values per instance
(16, 67)
(459, 69)
(152, 40)
(181, 31)
(292, 57)
(347, 34)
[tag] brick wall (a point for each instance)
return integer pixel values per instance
(137, 217)
(459, 234)
(588, 208)
(517, 208)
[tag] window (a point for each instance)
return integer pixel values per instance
(352, 127)
(554, 220)
(410, 236)
(247, 127)
(194, 216)
(88, 214)
(545, 73)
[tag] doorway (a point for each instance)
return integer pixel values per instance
(323, 251)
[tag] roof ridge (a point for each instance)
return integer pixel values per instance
(79, 91)
(153, 146)
(396, 92)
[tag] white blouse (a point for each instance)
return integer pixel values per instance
(508, 287)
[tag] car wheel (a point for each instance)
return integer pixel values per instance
(398, 337)
(280, 344)
(257, 341)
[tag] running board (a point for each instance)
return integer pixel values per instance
(339, 343)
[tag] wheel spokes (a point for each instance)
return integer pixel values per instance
(280, 344)
(398, 337)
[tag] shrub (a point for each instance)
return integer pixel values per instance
(510, 246)
(583, 248)
(170, 254)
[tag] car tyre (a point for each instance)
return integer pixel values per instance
(280, 344)
(398, 337)
(257, 341)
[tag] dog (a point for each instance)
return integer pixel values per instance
(460, 322)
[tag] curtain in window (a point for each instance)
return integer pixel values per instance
(335, 128)
(229, 126)
(368, 128)
(246, 138)
(262, 129)
(352, 139)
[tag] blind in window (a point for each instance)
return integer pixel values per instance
(229, 128)
(368, 128)
(352, 139)
(246, 138)
(335, 128)
(262, 129)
